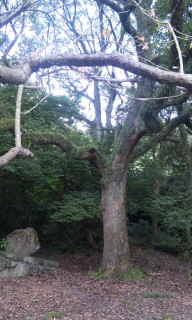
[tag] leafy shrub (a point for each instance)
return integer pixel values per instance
(133, 274)
(140, 232)
(77, 206)
(168, 243)
(3, 243)
(99, 274)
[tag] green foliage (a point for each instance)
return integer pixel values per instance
(133, 274)
(48, 114)
(29, 314)
(58, 195)
(141, 185)
(175, 211)
(140, 233)
(168, 316)
(54, 314)
(76, 206)
(179, 208)
(52, 182)
(167, 242)
(6, 124)
(99, 274)
(159, 190)
(157, 295)
(162, 8)
(4, 243)
(7, 103)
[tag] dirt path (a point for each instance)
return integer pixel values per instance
(71, 293)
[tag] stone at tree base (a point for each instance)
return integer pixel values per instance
(21, 270)
(46, 264)
(5, 273)
(22, 242)
(16, 262)
(15, 267)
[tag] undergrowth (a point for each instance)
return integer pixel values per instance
(133, 274)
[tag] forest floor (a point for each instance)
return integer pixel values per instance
(73, 293)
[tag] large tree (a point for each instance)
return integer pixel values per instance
(155, 50)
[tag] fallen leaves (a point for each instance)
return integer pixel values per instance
(72, 294)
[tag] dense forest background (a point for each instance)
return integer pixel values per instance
(60, 196)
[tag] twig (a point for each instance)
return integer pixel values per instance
(28, 111)
(162, 98)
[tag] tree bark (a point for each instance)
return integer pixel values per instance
(13, 153)
(21, 73)
(116, 246)
(18, 116)
(97, 107)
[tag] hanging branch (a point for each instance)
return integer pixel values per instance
(18, 150)
(181, 68)
(18, 116)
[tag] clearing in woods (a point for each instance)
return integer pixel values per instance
(74, 292)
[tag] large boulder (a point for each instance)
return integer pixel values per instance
(3, 263)
(22, 242)
(16, 261)
(23, 266)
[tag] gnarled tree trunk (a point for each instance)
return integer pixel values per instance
(116, 246)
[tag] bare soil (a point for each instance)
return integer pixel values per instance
(72, 293)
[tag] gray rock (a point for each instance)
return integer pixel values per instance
(3, 263)
(41, 262)
(5, 273)
(21, 270)
(22, 242)
(31, 260)
(16, 271)
(11, 267)
(16, 262)
(12, 264)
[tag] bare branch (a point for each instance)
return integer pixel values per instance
(13, 153)
(18, 116)
(174, 123)
(37, 104)
(163, 98)
(117, 60)
(21, 73)
(181, 69)
(22, 8)
(65, 145)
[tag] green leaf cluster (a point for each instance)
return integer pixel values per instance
(77, 206)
